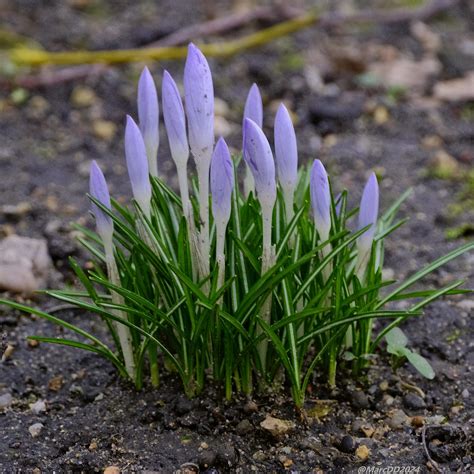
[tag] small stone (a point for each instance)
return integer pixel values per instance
(347, 444)
(259, 455)
(204, 445)
(383, 385)
(417, 421)
(413, 402)
(362, 452)
(368, 430)
(35, 429)
(36, 470)
(286, 462)
(244, 427)
(8, 352)
(443, 165)
(38, 407)
(16, 210)
(465, 393)
(207, 459)
(33, 343)
(276, 426)
(5, 400)
(83, 96)
(226, 454)
(250, 407)
(104, 129)
(25, 264)
(93, 446)
(56, 383)
(397, 419)
(359, 399)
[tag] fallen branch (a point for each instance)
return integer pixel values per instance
(35, 58)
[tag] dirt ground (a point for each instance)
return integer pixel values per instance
(411, 136)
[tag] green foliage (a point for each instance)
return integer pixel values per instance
(396, 345)
(322, 314)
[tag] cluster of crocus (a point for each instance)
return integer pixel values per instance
(231, 285)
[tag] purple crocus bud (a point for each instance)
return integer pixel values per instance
(199, 103)
(368, 211)
(137, 165)
(222, 182)
(98, 189)
(253, 106)
(258, 155)
(320, 199)
(148, 118)
(286, 154)
(175, 121)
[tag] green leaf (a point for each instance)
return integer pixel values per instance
(420, 363)
(396, 338)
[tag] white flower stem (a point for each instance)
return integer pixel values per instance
(288, 197)
(268, 258)
(220, 255)
(203, 178)
(123, 331)
(249, 182)
(151, 153)
(188, 214)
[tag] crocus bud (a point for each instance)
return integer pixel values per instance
(222, 182)
(148, 118)
(286, 154)
(258, 155)
(175, 122)
(254, 111)
(253, 106)
(320, 199)
(368, 211)
(98, 189)
(199, 103)
(137, 164)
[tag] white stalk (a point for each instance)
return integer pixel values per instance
(123, 331)
(203, 178)
(220, 255)
(268, 260)
(249, 182)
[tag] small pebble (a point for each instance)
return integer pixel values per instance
(5, 400)
(250, 407)
(413, 402)
(397, 419)
(244, 427)
(465, 393)
(362, 452)
(35, 429)
(206, 459)
(38, 407)
(112, 470)
(417, 421)
(359, 399)
(347, 444)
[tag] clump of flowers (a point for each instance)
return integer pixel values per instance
(236, 287)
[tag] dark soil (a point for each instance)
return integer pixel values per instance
(92, 419)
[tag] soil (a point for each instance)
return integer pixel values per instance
(92, 419)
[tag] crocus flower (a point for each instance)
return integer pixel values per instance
(98, 190)
(320, 199)
(148, 117)
(253, 106)
(175, 121)
(199, 103)
(286, 157)
(258, 155)
(368, 211)
(254, 111)
(286, 154)
(222, 182)
(137, 164)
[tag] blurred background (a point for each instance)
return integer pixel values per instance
(373, 85)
